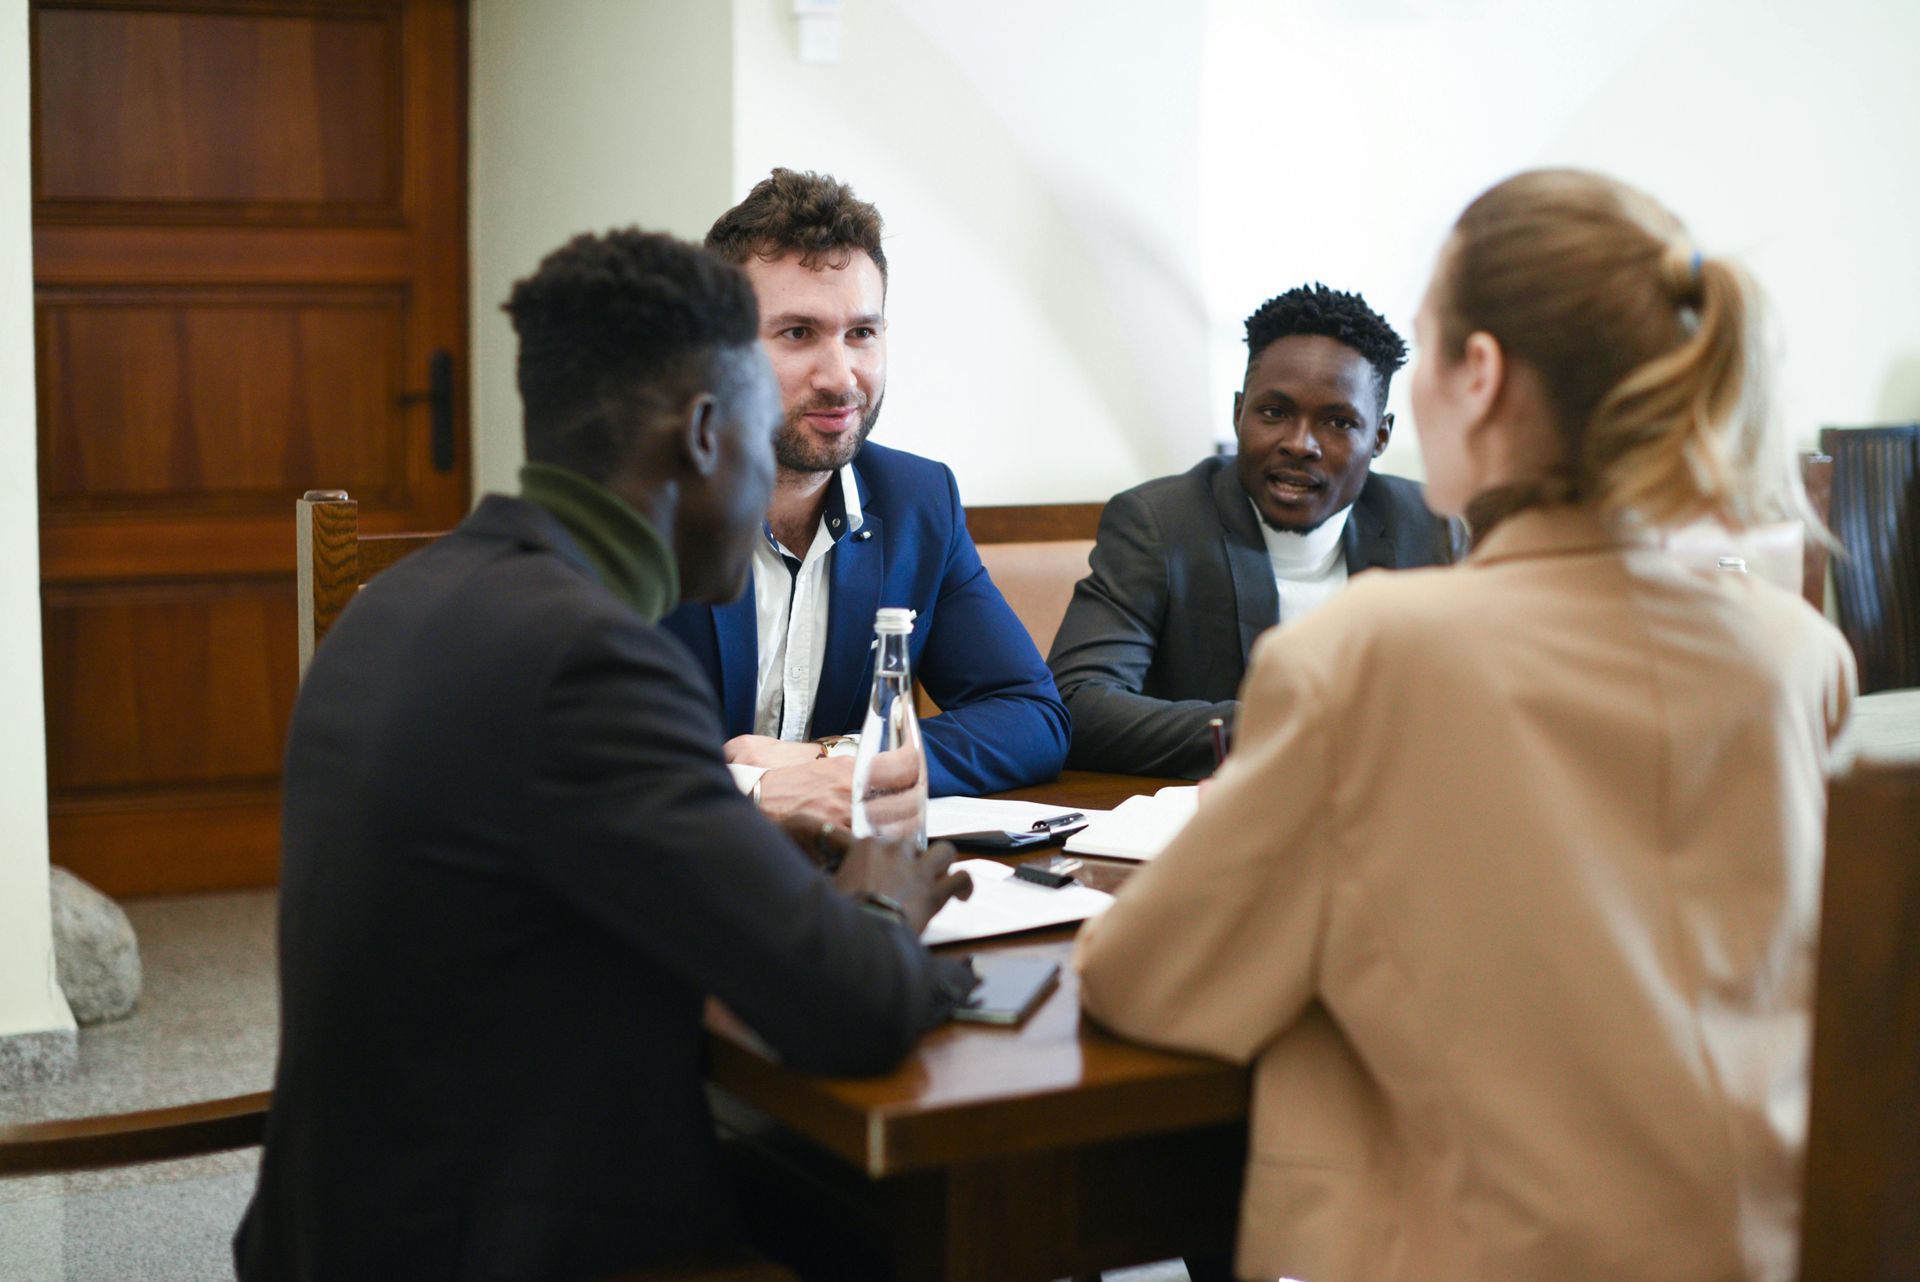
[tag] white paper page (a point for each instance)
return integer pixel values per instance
(1002, 904)
(948, 815)
(1139, 827)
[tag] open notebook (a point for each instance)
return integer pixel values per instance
(1139, 827)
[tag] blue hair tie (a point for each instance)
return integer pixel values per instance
(1696, 266)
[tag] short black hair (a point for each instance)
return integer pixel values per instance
(1315, 309)
(613, 317)
(793, 212)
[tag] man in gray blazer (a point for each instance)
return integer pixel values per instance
(1189, 569)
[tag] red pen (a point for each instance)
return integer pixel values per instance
(1219, 729)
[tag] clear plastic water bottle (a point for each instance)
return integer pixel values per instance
(890, 768)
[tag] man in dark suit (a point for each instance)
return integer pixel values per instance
(515, 865)
(1189, 569)
(851, 529)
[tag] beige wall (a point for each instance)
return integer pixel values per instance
(30, 1000)
(586, 115)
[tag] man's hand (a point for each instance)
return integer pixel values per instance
(892, 869)
(769, 753)
(821, 840)
(823, 789)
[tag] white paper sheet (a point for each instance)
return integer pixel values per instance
(1002, 904)
(1139, 827)
(948, 815)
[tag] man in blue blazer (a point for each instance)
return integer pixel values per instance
(851, 528)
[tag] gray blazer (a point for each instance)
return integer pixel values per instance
(1156, 639)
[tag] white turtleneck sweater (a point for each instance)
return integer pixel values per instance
(1309, 569)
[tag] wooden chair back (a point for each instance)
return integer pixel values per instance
(1876, 517)
(1861, 1219)
(1816, 477)
(333, 559)
(127, 1139)
(1035, 555)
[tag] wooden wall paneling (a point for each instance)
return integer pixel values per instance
(249, 240)
(219, 400)
(157, 685)
(224, 113)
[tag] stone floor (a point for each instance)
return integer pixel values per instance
(206, 1027)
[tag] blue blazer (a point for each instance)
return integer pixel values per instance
(1002, 723)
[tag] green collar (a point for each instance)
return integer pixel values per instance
(633, 560)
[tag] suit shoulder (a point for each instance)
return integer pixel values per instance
(885, 465)
(1397, 495)
(1173, 499)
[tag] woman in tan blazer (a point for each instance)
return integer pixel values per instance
(1508, 888)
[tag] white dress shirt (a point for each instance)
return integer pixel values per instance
(1309, 569)
(790, 602)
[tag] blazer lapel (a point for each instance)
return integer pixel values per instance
(736, 629)
(1364, 542)
(859, 566)
(1256, 598)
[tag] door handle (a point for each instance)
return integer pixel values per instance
(439, 398)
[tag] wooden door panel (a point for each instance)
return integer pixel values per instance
(219, 401)
(242, 114)
(218, 717)
(249, 238)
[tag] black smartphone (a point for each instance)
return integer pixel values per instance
(1010, 989)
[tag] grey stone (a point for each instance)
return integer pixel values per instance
(35, 1059)
(95, 954)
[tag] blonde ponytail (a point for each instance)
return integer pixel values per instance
(1650, 352)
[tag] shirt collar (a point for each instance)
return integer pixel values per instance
(841, 516)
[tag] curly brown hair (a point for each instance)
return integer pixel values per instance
(813, 215)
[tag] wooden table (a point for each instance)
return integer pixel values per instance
(994, 1154)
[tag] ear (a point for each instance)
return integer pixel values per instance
(1383, 435)
(1483, 371)
(699, 433)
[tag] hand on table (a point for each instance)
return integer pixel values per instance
(822, 789)
(893, 870)
(820, 839)
(769, 753)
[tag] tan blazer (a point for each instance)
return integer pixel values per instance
(1509, 887)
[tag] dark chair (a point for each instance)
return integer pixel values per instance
(1861, 1219)
(1876, 517)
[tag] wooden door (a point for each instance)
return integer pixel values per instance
(249, 248)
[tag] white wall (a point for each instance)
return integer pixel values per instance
(1046, 333)
(1341, 139)
(586, 115)
(30, 999)
(1085, 199)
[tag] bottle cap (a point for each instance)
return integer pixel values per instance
(895, 620)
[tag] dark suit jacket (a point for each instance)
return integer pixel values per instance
(1156, 639)
(514, 867)
(1002, 724)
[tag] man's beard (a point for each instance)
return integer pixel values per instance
(795, 451)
